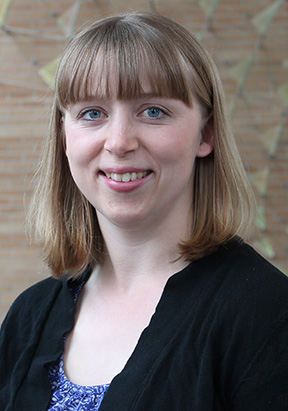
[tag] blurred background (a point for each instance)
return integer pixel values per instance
(249, 43)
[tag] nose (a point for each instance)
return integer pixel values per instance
(121, 137)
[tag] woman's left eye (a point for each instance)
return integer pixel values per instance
(154, 112)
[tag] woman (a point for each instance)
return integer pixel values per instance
(142, 205)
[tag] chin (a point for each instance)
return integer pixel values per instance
(123, 219)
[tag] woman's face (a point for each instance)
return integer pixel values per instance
(133, 159)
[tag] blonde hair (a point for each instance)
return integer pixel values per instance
(178, 67)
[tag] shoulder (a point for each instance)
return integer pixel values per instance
(34, 309)
(39, 290)
(245, 257)
(253, 278)
(251, 304)
(237, 276)
(238, 266)
(256, 306)
(242, 258)
(246, 301)
(234, 279)
(247, 285)
(32, 332)
(242, 298)
(31, 307)
(235, 293)
(36, 296)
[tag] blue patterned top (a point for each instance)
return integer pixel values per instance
(69, 396)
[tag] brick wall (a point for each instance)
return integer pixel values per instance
(249, 42)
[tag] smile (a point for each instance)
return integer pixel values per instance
(126, 177)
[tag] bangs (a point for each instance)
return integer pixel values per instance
(115, 59)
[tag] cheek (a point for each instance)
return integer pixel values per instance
(78, 164)
(180, 149)
(76, 142)
(80, 149)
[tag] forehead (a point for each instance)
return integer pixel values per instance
(108, 71)
(135, 85)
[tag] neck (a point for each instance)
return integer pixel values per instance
(133, 254)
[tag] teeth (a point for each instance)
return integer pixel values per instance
(125, 178)
(116, 177)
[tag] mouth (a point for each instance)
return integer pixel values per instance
(126, 177)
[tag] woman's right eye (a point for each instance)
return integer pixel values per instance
(91, 114)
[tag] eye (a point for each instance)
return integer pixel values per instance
(154, 112)
(91, 114)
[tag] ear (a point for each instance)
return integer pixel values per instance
(206, 145)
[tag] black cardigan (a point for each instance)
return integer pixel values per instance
(217, 341)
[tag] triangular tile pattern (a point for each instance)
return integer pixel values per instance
(283, 94)
(67, 21)
(48, 72)
(241, 70)
(262, 20)
(265, 246)
(271, 136)
(260, 181)
(270, 139)
(208, 6)
(261, 222)
(4, 7)
(11, 56)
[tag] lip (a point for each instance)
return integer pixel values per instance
(124, 187)
(123, 170)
